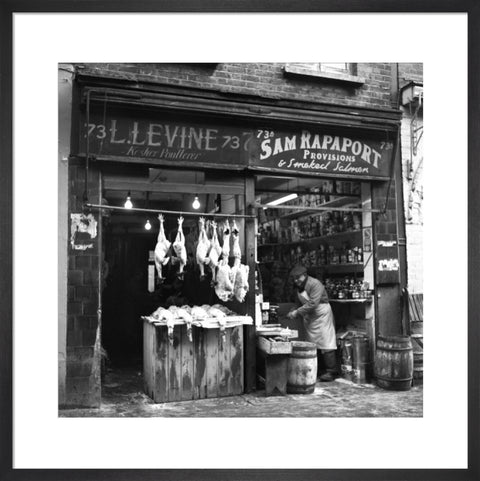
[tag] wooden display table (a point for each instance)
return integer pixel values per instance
(211, 365)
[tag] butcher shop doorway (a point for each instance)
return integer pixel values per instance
(132, 287)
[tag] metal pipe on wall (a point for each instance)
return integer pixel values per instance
(316, 209)
(176, 212)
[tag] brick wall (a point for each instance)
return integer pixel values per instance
(385, 224)
(415, 258)
(261, 79)
(410, 71)
(83, 332)
(412, 167)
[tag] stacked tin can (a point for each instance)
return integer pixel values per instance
(354, 359)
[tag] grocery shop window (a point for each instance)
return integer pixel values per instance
(336, 67)
(326, 71)
(312, 221)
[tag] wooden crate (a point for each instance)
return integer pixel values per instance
(271, 346)
(272, 363)
(415, 307)
(210, 366)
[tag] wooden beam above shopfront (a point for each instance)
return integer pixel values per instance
(167, 187)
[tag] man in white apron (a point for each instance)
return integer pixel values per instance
(317, 316)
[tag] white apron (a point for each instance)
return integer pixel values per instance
(319, 325)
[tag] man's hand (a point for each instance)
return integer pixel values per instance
(292, 314)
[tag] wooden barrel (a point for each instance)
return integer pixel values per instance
(417, 343)
(302, 368)
(394, 363)
(417, 366)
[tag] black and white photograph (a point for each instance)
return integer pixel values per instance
(241, 242)
(241, 239)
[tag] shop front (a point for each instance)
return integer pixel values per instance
(227, 195)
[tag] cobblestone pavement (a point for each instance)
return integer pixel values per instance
(123, 396)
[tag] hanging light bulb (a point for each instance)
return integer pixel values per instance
(196, 203)
(128, 203)
(148, 226)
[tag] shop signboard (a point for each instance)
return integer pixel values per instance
(136, 138)
(206, 143)
(310, 151)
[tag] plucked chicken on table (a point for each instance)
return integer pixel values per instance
(179, 248)
(165, 315)
(161, 249)
(184, 314)
(224, 309)
(198, 313)
(220, 317)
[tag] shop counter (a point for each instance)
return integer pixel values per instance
(208, 365)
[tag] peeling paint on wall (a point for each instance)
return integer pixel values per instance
(388, 265)
(83, 228)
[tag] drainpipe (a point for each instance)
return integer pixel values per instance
(66, 74)
(394, 90)
(400, 206)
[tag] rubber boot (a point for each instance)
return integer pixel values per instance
(321, 368)
(330, 360)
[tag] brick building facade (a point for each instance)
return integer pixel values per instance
(363, 98)
(265, 80)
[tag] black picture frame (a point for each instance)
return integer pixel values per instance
(7, 8)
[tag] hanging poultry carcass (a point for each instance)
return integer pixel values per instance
(239, 272)
(161, 249)
(202, 247)
(179, 248)
(226, 242)
(237, 252)
(224, 285)
(240, 287)
(214, 253)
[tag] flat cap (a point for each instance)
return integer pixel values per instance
(298, 270)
